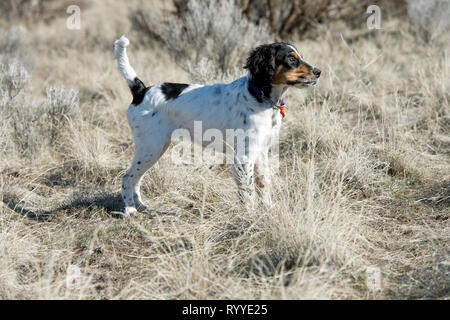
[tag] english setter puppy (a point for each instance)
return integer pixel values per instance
(253, 103)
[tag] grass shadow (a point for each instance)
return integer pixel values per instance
(29, 213)
(438, 196)
(109, 201)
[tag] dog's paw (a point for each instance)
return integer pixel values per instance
(130, 211)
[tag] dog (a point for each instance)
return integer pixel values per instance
(253, 103)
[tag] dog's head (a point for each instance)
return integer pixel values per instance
(280, 64)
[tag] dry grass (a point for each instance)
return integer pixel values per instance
(362, 190)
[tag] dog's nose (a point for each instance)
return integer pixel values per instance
(316, 72)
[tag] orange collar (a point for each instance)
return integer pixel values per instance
(282, 104)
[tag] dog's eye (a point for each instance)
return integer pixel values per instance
(292, 59)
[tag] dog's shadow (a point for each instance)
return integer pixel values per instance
(111, 202)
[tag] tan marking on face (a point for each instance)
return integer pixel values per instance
(284, 76)
(295, 55)
(278, 77)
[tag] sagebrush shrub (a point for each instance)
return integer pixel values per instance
(28, 125)
(429, 18)
(61, 107)
(216, 30)
(300, 18)
(13, 78)
(15, 45)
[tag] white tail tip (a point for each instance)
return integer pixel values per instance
(122, 42)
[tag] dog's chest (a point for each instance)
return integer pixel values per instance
(264, 124)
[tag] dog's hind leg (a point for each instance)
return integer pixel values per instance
(131, 181)
(151, 141)
(148, 161)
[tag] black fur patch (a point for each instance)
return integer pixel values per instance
(261, 64)
(172, 90)
(138, 90)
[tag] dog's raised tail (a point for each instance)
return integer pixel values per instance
(137, 87)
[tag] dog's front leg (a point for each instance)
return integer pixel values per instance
(243, 173)
(263, 178)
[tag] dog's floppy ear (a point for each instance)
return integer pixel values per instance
(261, 64)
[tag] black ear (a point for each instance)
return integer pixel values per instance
(261, 64)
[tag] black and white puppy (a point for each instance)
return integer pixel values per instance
(251, 104)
